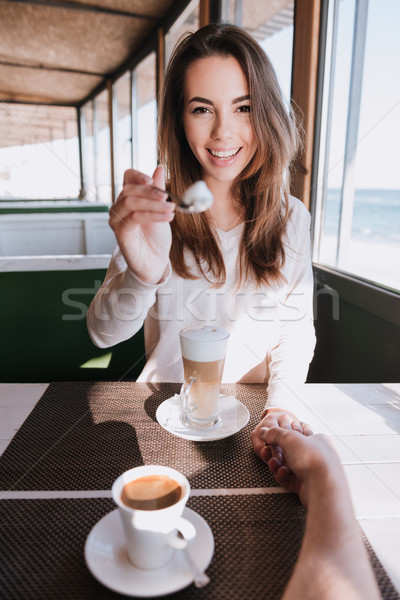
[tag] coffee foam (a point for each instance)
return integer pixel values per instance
(151, 492)
(204, 344)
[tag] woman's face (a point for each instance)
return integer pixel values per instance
(217, 117)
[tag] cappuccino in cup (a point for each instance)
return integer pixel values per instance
(203, 355)
(151, 500)
(151, 492)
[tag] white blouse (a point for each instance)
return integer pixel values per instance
(271, 328)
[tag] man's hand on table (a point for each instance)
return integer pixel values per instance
(276, 417)
(306, 465)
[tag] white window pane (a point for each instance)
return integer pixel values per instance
(88, 152)
(39, 154)
(122, 129)
(339, 68)
(102, 148)
(271, 24)
(188, 21)
(372, 247)
(145, 116)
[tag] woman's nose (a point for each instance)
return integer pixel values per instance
(222, 127)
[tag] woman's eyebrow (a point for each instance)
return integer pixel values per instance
(205, 101)
(201, 100)
(241, 99)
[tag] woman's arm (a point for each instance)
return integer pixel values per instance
(140, 220)
(121, 305)
(290, 358)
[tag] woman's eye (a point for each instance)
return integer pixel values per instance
(244, 109)
(200, 110)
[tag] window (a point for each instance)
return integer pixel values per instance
(357, 220)
(39, 154)
(122, 128)
(96, 150)
(188, 21)
(271, 23)
(102, 147)
(88, 152)
(144, 112)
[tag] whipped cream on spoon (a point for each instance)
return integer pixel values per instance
(197, 198)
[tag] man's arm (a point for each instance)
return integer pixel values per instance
(333, 562)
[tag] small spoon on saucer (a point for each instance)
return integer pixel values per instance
(197, 198)
(200, 579)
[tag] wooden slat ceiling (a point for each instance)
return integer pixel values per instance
(58, 52)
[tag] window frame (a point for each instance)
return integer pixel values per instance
(372, 297)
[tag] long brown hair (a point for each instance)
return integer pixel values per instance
(261, 188)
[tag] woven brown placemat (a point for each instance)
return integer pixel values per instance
(257, 540)
(82, 435)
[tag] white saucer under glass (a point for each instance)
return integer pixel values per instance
(107, 559)
(234, 416)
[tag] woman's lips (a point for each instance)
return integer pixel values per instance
(223, 156)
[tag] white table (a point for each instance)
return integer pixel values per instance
(363, 421)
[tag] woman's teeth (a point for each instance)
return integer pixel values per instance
(225, 154)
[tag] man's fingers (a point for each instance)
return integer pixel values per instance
(272, 435)
(276, 452)
(274, 465)
(265, 453)
(283, 477)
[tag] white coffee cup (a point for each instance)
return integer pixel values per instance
(203, 355)
(152, 532)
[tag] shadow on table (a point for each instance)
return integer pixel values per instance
(226, 463)
(61, 447)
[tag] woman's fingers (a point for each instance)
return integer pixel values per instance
(159, 177)
(140, 209)
(122, 210)
(139, 197)
(137, 177)
(302, 427)
(141, 218)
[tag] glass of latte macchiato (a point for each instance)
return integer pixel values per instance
(203, 355)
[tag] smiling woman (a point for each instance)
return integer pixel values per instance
(225, 92)
(219, 130)
(243, 264)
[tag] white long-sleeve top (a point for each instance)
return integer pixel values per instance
(271, 327)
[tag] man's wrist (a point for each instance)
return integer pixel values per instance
(325, 481)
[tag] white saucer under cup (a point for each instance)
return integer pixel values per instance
(107, 559)
(234, 416)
